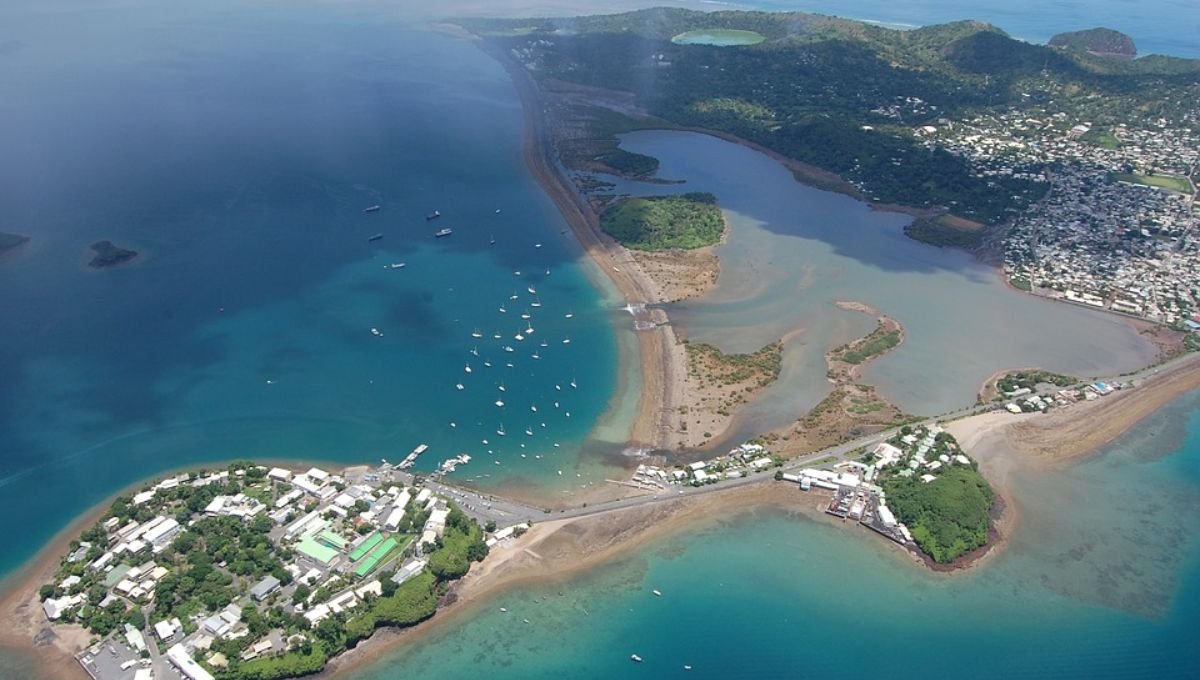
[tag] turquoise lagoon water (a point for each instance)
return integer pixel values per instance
(793, 251)
(1101, 580)
(236, 144)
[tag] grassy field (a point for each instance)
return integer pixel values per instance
(1102, 137)
(665, 222)
(1169, 182)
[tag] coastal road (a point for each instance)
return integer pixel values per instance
(506, 512)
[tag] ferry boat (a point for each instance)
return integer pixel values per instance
(443, 232)
(374, 237)
(372, 208)
(433, 215)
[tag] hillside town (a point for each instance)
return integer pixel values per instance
(200, 575)
(1116, 229)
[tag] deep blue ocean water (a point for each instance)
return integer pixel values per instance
(236, 145)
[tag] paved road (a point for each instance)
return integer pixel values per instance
(506, 512)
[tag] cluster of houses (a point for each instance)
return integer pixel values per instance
(923, 451)
(739, 462)
(340, 533)
(1026, 400)
(1097, 238)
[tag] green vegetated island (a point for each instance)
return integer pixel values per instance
(943, 499)
(687, 221)
(858, 100)
(108, 254)
(250, 573)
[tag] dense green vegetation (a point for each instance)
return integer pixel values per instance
(8, 241)
(948, 516)
(664, 222)
(1098, 40)
(1030, 379)
(879, 341)
(108, 254)
(936, 233)
(847, 96)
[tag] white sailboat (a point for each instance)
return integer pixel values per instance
(476, 333)
(467, 368)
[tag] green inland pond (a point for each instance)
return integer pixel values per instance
(719, 37)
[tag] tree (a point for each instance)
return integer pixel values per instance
(47, 591)
(301, 593)
(477, 551)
